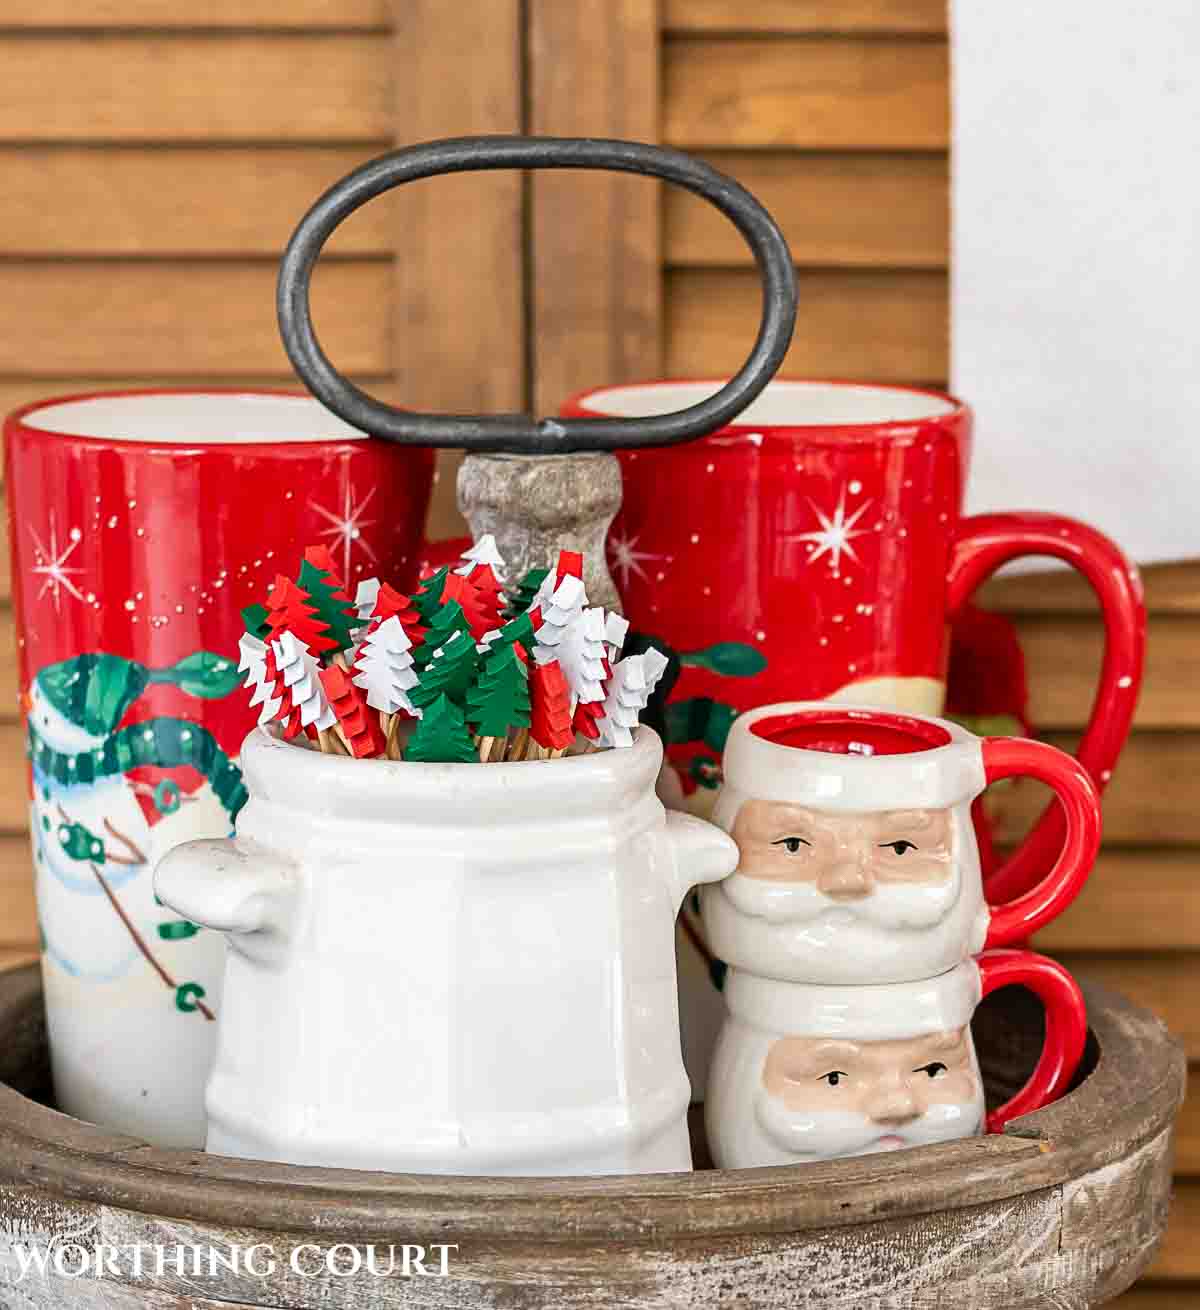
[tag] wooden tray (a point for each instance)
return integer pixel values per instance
(1065, 1208)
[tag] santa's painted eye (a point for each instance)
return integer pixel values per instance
(900, 847)
(833, 1077)
(792, 844)
(935, 1069)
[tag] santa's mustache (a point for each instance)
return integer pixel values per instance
(889, 905)
(830, 1134)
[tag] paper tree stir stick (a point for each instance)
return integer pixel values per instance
(468, 668)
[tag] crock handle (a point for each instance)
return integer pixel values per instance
(234, 888)
(518, 433)
(698, 852)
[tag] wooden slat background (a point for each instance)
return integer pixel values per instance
(153, 178)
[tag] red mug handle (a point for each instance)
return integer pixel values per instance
(1009, 757)
(985, 542)
(1066, 1026)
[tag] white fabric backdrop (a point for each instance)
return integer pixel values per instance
(1076, 284)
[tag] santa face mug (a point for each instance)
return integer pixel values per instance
(858, 860)
(804, 1072)
(140, 524)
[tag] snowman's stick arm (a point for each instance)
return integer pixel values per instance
(140, 942)
(130, 845)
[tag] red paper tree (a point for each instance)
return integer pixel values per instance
(359, 723)
(491, 597)
(550, 698)
(464, 592)
(391, 602)
(290, 609)
(320, 558)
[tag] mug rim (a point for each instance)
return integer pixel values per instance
(18, 421)
(929, 734)
(958, 411)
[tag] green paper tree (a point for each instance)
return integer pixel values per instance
(441, 736)
(428, 595)
(449, 673)
(331, 603)
(446, 621)
(500, 699)
(519, 629)
(521, 599)
(256, 618)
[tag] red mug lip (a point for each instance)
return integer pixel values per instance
(863, 733)
(577, 406)
(17, 420)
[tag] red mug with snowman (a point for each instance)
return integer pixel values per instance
(141, 523)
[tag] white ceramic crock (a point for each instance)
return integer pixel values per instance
(450, 968)
(853, 1081)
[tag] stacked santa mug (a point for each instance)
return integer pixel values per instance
(860, 937)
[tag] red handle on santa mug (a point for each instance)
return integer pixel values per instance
(1015, 920)
(985, 542)
(1066, 1026)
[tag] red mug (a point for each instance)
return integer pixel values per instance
(816, 549)
(141, 523)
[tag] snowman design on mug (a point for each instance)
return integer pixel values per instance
(805, 1072)
(858, 860)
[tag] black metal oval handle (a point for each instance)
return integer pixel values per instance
(517, 432)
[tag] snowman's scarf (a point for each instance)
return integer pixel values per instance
(163, 742)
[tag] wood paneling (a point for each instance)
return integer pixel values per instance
(1170, 589)
(837, 210)
(1150, 801)
(79, 201)
(262, 14)
(18, 919)
(1164, 984)
(1063, 661)
(873, 17)
(179, 318)
(458, 297)
(1187, 1137)
(823, 93)
(877, 325)
(1143, 900)
(202, 88)
(596, 292)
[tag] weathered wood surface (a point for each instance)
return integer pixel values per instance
(1066, 1208)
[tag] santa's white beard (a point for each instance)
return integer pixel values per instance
(794, 932)
(793, 1136)
(890, 905)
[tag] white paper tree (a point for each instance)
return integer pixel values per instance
(384, 669)
(626, 698)
(561, 609)
(616, 629)
(258, 664)
(365, 597)
(300, 672)
(655, 664)
(580, 652)
(484, 551)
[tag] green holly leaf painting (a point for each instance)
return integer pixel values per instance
(731, 659)
(700, 718)
(203, 674)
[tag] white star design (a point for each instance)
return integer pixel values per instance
(348, 526)
(52, 564)
(835, 534)
(627, 559)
